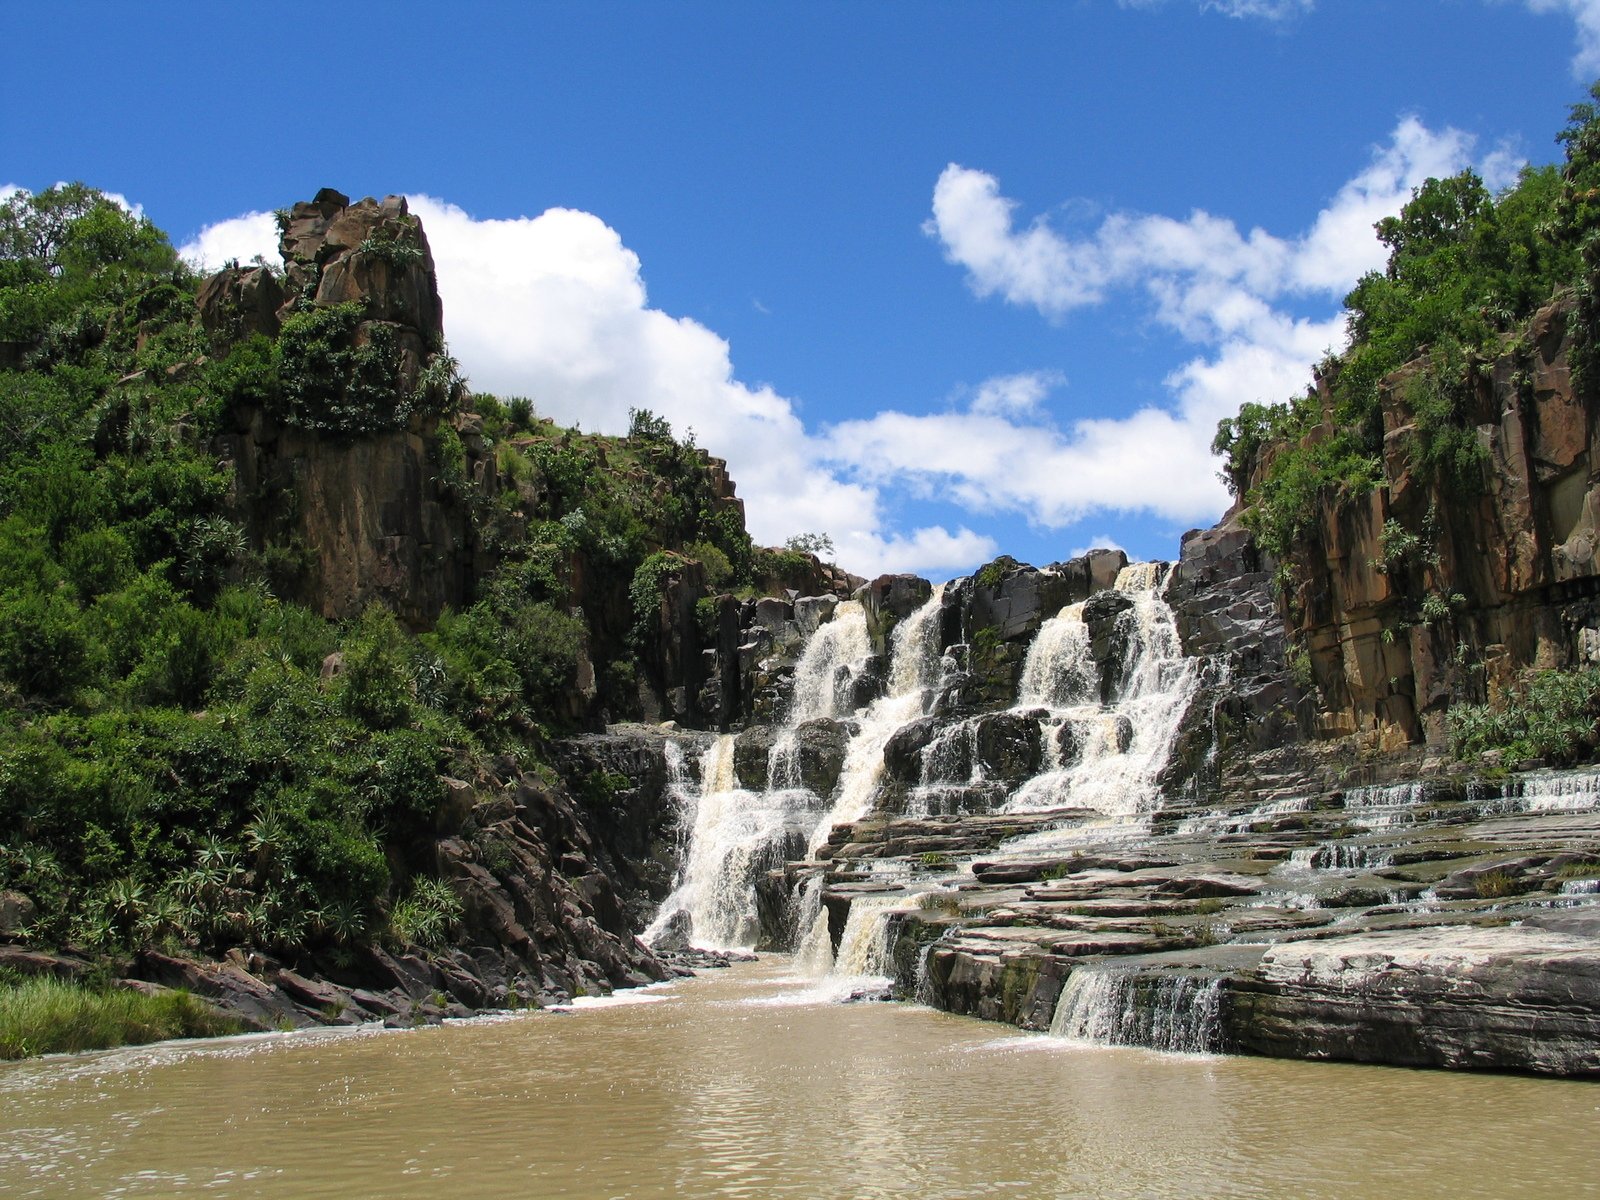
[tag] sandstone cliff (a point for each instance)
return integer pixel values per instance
(1424, 592)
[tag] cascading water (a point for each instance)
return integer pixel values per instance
(735, 836)
(914, 672)
(738, 834)
(1110, 1006)
(1121, 746)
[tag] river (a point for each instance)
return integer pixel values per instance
(749, 1082)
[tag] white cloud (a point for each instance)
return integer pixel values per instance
(1267, 10)
(1219, 288)
(1099, 541)
(554, 307)
(1017, 395)
(242, 239)
(1586, 16)
(1270, 10)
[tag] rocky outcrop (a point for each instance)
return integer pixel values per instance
(357, 522)
(386, 516)
(1424, 591)
(373, 253)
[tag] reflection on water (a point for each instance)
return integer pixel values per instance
(738, 1084)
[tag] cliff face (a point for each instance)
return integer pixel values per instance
(375, 518)
(1424, 592)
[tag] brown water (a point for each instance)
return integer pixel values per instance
(737, 1085)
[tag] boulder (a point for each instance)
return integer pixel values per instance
(17, 912)
(1007, 746)
(902, 753)
(237, 302)
(752, 750)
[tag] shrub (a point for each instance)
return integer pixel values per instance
(1555, 718)
(330, 384)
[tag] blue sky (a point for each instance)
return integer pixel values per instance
(939, 280)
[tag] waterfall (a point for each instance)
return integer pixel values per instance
(1121, 746)
(828, 664)
(1557, 791)
(1111, 1006)
(915, 669)
(813, 943)
(737, 835)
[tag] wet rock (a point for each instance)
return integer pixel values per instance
(1455, 996)
(820, 746)
(751, 752)
(888, 600)
(1007, 746)
(902, 753)
(1108, 639)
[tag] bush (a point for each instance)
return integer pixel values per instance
(330, 384)
(1556, 718)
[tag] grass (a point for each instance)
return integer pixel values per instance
(51, 1016)
(1496, 883)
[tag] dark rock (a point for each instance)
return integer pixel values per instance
(1007, 746)
(17, 912)
(902, 753)
(1108, 639)
(751, 752)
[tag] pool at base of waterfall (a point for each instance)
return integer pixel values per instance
(755, 1082)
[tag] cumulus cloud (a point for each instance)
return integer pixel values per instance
(242, 239)
(554, 307)
(1225, 290)
(1586, 16)
(1099, 541)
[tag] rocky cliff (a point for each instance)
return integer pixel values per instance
(1425, 591)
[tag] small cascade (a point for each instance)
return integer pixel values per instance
(1340, 856)
(864, 945)
(828, 665)
(1385, 806)
(736, 835)
(813, 944)
(1118, 748)
(1224, 821)
(1059, 672)
(1108, 1006)
(1556, 791)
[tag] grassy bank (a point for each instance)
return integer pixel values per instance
(49, 1016)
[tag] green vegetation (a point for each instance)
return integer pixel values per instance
(1466, 268)
(191, 757)
(1555, 718)
(52, 1016)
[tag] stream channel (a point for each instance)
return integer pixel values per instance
(754, 1082)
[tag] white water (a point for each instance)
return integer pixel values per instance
(914, 671)
(1156, 686)
(1108, 1006)
(1566, 791)
(736, 834)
